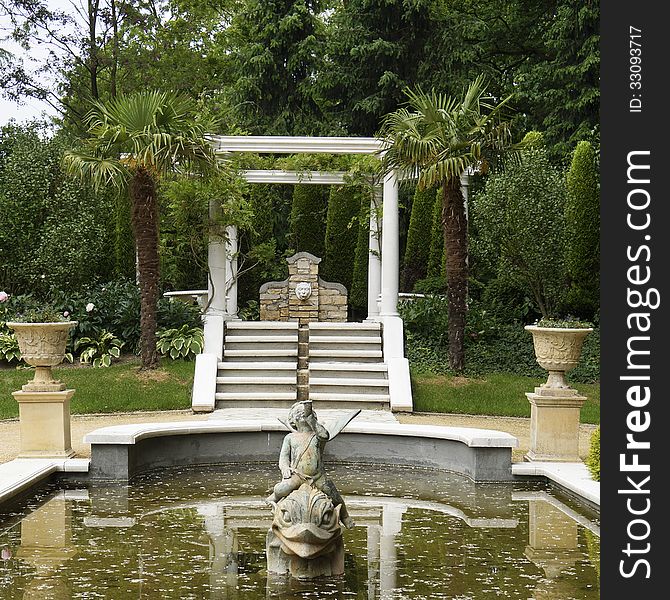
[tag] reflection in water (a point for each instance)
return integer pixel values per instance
(188, 534)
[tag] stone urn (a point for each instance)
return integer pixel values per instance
(43, 346)
(557, 349)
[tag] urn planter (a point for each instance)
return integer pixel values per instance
(557, 349)
(43, 346)
(44, 403)
(555, 406)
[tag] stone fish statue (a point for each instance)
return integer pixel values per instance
(305, 539)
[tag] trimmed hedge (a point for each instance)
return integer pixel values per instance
(417, 251)
(344, 206)
(436, 259)
(308, 218)
(593, 459)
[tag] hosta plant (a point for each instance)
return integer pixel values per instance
(9, 347)
(101, 351)
(182, 342)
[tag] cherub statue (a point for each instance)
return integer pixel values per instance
(301, 456)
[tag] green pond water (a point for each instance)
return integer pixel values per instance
(201, 534)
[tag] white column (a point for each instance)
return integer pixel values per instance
(231, 271)
(374, 258)
(216, 260)
(388, 558)
(390, 248)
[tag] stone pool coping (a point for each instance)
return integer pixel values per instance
(20, 475)
(133, 433)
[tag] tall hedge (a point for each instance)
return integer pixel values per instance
(520, 219)
(582, 222)
(436, 259)
(417, 250)
(344, 205)
(55, 233)
(358, 294)
(308, 218)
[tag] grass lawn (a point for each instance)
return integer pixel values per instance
(123, 388)
(497, 394)
(119, 388)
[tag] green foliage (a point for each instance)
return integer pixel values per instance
(492, 345)
(593, 458)
(519, 218)
(276, 47)
(582, 219)
(124, 240)
(308, 218)
(372, 59)
(45, 313)
(186, 227)
(436, 258)
(417, 251)
(185, 342)
(358, 294)
(567, 323)
(344, 207)
(54, 231)
(101, 351)
(9, 347)
(560, 88)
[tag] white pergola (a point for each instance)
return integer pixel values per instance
(383, 258)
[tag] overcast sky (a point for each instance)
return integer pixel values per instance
(31, 108)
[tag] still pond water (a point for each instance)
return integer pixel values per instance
(201, 534)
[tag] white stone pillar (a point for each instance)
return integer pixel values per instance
(390, 248)
(374, 536)
(374, 258)
(216, 261)
(231, 272)
(388, 558)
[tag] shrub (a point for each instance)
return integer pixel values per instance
(593, 458)
(344, 205)
(101, 351)
(417, 251)
(184, 342)
(358, 294)
(436, 260)
(308, 218)
(582, 218)
(519, 218)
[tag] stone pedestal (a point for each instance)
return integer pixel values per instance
(45, 424)
(554, 424)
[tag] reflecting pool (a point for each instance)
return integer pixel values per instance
(201, 534)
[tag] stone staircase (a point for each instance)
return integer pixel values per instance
(259, 366)
(341, 365)
(346, 367)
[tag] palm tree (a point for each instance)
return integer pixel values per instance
(436, 139)
(134, 140)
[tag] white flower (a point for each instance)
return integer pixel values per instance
(90, 306)
(66, 314)
(43, 276)
(3, 296)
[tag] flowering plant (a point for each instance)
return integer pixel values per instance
(44, 314)
(567, 323)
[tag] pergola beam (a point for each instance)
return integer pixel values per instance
(294, 177)
(290, 145)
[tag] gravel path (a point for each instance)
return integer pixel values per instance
(82, 424)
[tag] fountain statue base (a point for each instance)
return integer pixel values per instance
(305, 540)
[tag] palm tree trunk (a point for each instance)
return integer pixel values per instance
(455, 229)
(145, 227)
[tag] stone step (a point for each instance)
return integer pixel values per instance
(341, 339)
(223, 396)
(255, 355)
(344, 329)
(337, 355)
(374, 372)
(259, 379)
(259, 347)
(269, 325)
(257, 339)
(337, 397)
(345, 382)
(260, 366)
(256, 388)
(349, 366)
